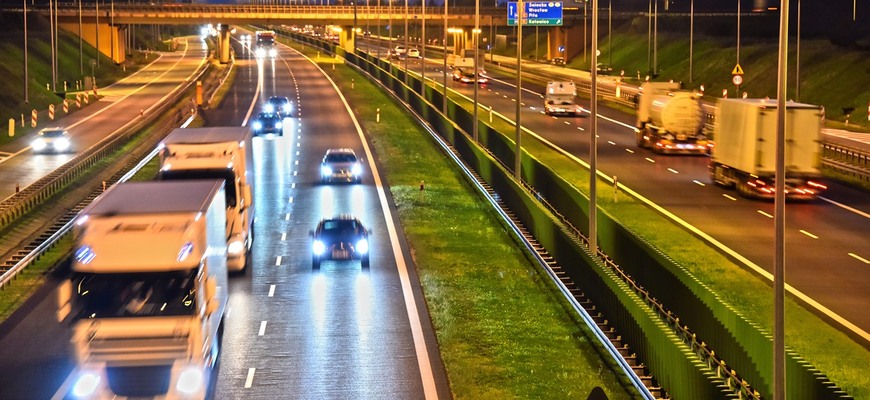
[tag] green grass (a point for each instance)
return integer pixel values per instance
(14, 294)
(502, 329)
(829, 350)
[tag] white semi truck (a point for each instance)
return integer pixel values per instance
(745, 152)
(218, 153)
(560, 98)
(148, 291)
(670, 120)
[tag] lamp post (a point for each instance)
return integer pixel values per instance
(610, 32)
(81, 56)
(26, 78)
(738, 39)
(779, 213)
(797, 70)
(406, 42)
(97, 30)
(691, 37)
(423, 52)
(51, 28)
(475, 34)
(518, 136)
(444, 100)
(593, 132)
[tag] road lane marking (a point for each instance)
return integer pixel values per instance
(271, 290)
(630, 151)
(294, 173)
(250, 379)
(543, 112)
(650, 160)
(729, 197)
(764, 214)
(567, 123)
(699, 183)
(290, 200)
(278, 260)
(293, 185)
(580, 128)
(845, 207)
(673, 170)
(611, 142)
(284, 236)
(287, 217)
(809, 234)
(262, 328)
(859, 258)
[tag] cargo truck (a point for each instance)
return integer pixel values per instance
(560, 98)
(670, 120)
(745, 152)
(218, 153)
(148, 291)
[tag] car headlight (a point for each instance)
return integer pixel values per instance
(86, 384)
(318, 248)
(258, 125)
(190, 381)
(278, 125)
(269, 107)
(362, 246)
(62, 144)
(356, 169)
(288, 108)
(325, 170)
(38, 144)
(236, 247)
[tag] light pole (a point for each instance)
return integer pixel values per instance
(691, 37)
(81, 56)
(610, 32)
(779, 213)
(444, 100)
(97, 30)
(656, 39)
(518, 136)
(51, 28)
(423, 52)
(406, 42)
(738, 40)
(475, 34)
(649, 38)
(593, 132)
(26, 78)
(797, 70)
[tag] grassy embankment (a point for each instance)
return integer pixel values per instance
(502, 329)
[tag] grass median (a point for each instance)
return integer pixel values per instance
(502, 328)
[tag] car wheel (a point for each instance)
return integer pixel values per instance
(315, 263)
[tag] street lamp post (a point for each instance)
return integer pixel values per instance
(51, 28)
(26, 78)
(406, 42)
(444, 100)
(476, 37)
(423, 52)
(519, 130)
(610, 32)
(691, 37)
(593, 132)
(81, 56)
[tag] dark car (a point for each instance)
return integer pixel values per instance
(266, 123)
(52, 140)
(340, 238)
(605, 69)
(340, 165)
(279, 105)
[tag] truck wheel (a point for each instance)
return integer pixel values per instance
(743, 189)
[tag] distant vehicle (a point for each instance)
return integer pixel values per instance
(340, 238)
(604, 69)
(414, 53)
(560, 98)
(147, 291)
(263, 52)
(466, 75)
(340, 165)
(268, 123)
(670, 120)
(558, 61)
(52, 140)
(745, 153)
(400, 49)
(280, 105)
(265, 38)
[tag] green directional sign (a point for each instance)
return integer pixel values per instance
(537, 13)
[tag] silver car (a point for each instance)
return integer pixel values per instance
(52, 140)
(340, 165)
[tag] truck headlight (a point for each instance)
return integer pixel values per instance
(86, 385)
(269, 107)
(318, 248)
(236, 247)
(356, 170)
(325, 170)
(258, 125)
(362, 246)
(38, 144)
(190, 381)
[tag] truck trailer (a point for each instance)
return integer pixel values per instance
(560, 98)
(218, 153)
(148, 291)
(670, 120)
(745, 153)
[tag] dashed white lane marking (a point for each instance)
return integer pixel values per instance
(284, 236)
(296, 162)
(699, 183)
(514, 100)
(297, 152)
(611, 142)
(271, 290)
(293, 185)
(859, 258)
(262, 328)
(650, 160)
(764, 214)
(250, 379)
(294, 173)
(543, 112)
(580, 128)
(673, 170)
(732, 198)
(278, 260)
(567, 122)
(630, 151)
(287, 217)
(290, 200)
(522, 104)
(298, 144)
(809, 234)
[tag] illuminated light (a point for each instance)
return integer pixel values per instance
(166, 167)
(185, 251)
(163, 307)
(241, 143)
(85, 254)
(236, 247)
(273, 53)
(356, 169)
(190, 381)
(86, 384)
(39, 144)
(318, 248)
(81, 221)
(278, 125)
(230, 165)
(325, 170)
(198, 216)
(362, 246)
(62, 144)
(269, 108)
(258, 125)
(816, 185)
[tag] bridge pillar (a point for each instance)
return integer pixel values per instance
(224, 44)
(346, 38)
(111, 42)
(559, 36)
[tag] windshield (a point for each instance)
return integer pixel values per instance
(340, 228)
(227, 175)
(340, 157)
(134, 295)
(52, 134)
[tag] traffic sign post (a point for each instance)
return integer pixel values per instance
(539, 13)
(737, 77)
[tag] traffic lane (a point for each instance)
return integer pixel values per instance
(339, 331)
(95, 122)
(234, 107)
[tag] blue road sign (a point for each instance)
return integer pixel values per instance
(546, 13)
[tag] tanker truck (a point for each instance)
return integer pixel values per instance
(670, 120)
(745, 152)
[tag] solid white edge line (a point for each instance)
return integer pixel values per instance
(262, 328)
(729, 197)
(699, 183)
(271, 290)
(430, 391)
(845, 207)
(249, 381)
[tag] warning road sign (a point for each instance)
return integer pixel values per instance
(737, 70)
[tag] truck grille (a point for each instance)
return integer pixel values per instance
(151, 350)
(139, 381)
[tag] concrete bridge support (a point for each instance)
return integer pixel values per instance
(111, 38)
(571, 37)
(347, 38)
(224, 47)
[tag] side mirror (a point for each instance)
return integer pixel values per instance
(210, 290)
(64, 300)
